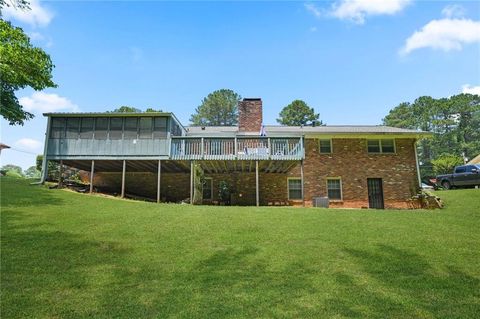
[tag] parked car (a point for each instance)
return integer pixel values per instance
(465, 175)
(427, 187)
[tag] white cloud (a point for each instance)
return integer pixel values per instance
(36, 16)
(29, 144)
(453, 11)
(313, 9)
(47, 102)
(358, 10)
(444, 34)
(467, 88)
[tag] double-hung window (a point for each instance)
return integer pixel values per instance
(294, 188)
(325, 146)
(334, 188)
(381, 146)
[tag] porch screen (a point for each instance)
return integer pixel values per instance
(294, 188)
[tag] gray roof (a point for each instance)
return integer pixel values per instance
(278, 130)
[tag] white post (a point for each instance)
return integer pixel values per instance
(159, 173)
(301, 175)
(91, 176)
(123, 178)
(256, 184)
(418, 166)
(191, 181)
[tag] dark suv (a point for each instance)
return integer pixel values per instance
(465, 175)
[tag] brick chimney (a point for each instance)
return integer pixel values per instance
(250, 115)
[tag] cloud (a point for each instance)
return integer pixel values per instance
(358, 10)
(40, 38)
(444, 34)
(453, 11)
(313, 9)
(41, 102)
(471, 89)
(36, 16)
(29, 144)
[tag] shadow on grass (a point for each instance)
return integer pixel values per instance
(43, 272)
(403, 284)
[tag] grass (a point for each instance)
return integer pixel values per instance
(68, 255)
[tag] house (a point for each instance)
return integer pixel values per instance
(154, 155)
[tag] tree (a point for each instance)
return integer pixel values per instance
(454, 122)
(446, 163)
(21, 65)
(219, 108)
(32, 172)
(299, 113)
(17, 4)
(127, 109)
(152, 110)
(13, 170)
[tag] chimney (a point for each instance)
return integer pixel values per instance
(250, 115)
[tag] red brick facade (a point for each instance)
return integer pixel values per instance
(250, 115)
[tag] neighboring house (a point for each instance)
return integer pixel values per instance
(152, 155)
(475, 160)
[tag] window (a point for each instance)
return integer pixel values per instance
(145, 130)
(175, 128)
(334, 188)
(101, 128)
(460, 169)
(73, 126)
(160, 127)
(130, 128)
(207, 188)
(381, 146)
(294, 188)
(57, 129)
(116, 127)
(325, 146)
(86, 128)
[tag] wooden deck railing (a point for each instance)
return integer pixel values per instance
(239, 148)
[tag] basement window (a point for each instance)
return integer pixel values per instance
(325, 146)
(334, 188)
(294, 188)
(381, 146)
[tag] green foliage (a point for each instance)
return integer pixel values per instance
(13, 170)
(127, 109)
(219, 108)
(21, 65)
(299, 113)
(63, 253)
(445, 163)
(454, 121)
(32, 172)
(224, 192)
(18, 4)
(53, 169)
(152, 110)
(198, 184)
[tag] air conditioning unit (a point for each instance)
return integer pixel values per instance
(320, 202)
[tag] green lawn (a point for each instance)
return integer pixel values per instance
(68, 255)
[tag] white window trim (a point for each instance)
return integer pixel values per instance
(341, 188)
(288, 187)
(380, 145)
(331, 145)
(211, 187)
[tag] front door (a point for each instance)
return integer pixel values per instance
(375, 193)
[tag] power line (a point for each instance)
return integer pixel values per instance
(18, 150)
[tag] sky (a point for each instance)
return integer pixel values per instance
(351, 60)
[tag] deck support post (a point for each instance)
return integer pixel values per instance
(124, 168)
(191, 181)
(257, 195)
(159, 174)
(60, 172)
(303, 188)
(92, 169)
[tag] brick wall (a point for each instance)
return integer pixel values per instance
(250, 115)
(351, 161)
